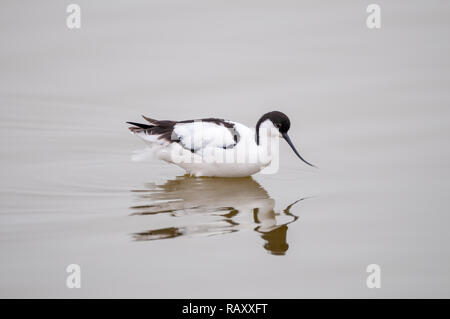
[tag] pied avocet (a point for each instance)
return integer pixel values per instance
(216, 147)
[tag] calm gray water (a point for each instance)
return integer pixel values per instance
(371, 108)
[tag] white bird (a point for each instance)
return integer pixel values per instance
(216, 147)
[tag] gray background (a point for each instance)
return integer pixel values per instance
(369, 107)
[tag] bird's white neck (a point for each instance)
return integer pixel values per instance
(267, 139)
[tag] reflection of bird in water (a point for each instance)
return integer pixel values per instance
(216, 147)
(217, 206)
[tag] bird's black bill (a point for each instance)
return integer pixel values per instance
(288, 140)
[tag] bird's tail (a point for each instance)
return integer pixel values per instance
(139, 127)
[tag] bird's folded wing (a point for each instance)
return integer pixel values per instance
(206, 135)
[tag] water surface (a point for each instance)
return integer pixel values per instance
(370, 108)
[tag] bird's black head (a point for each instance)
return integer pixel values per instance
(281, 122)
